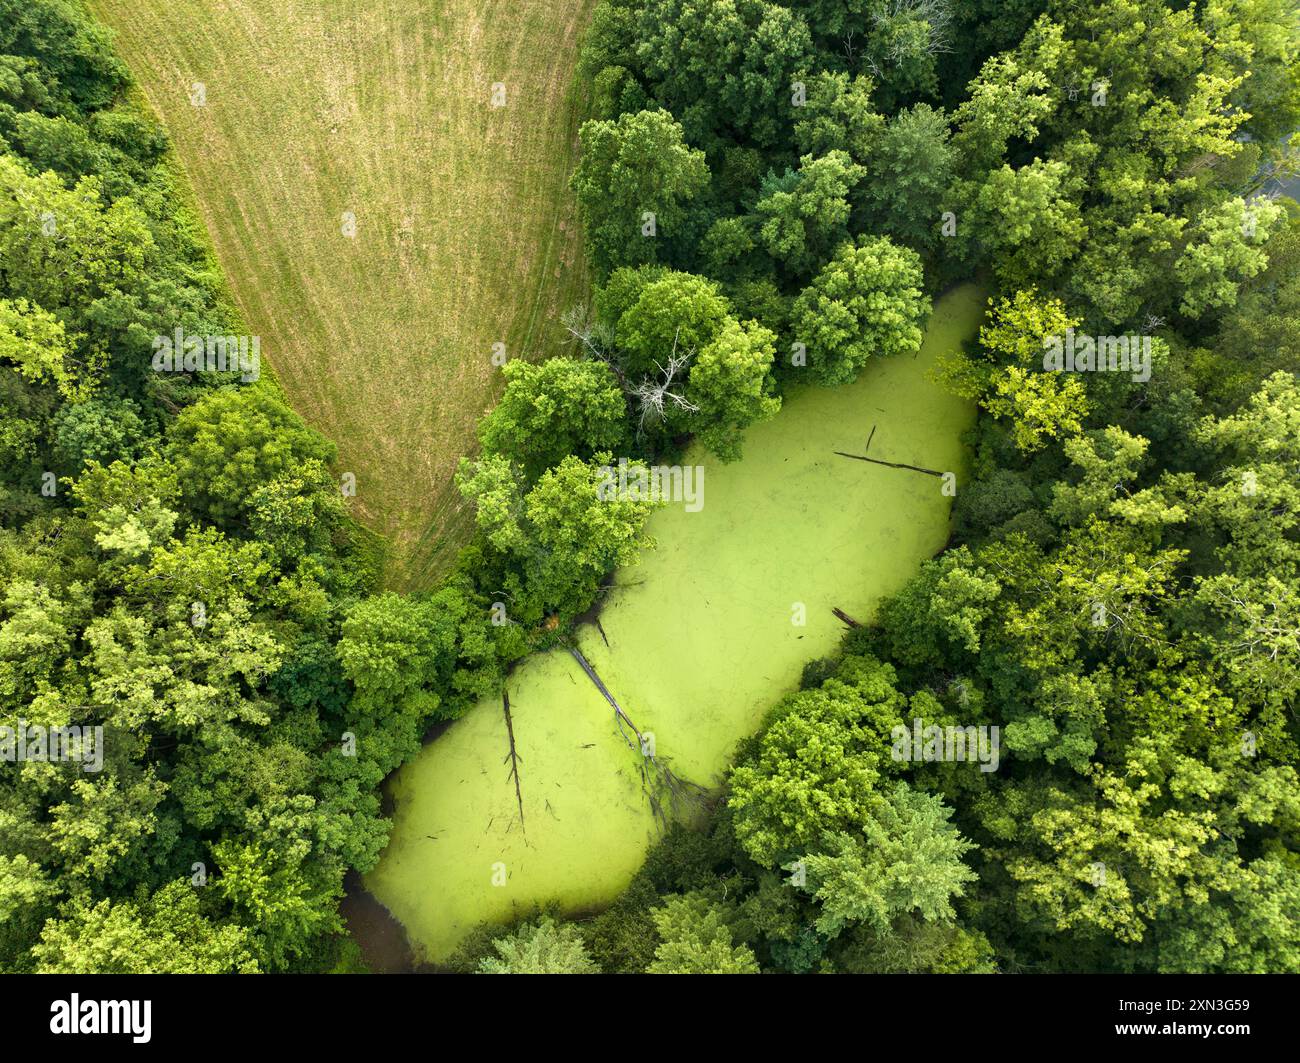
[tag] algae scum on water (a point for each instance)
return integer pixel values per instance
(702, 641)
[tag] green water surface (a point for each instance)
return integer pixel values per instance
(702, 641)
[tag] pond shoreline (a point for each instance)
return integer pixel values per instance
(698, 641)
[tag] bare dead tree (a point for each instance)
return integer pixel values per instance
(653, 396)
(587, 332)
(937, 14)
(594, 339)
(1151, 323)
(850, 48)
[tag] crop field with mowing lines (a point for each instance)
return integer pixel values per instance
(465, 233)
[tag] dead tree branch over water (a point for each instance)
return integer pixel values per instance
(664, 789)
(514, 758)
(889, 464)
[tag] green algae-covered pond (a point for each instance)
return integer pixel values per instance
(701, 642)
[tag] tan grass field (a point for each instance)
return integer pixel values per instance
(466, 235)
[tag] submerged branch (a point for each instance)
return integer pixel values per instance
(889, 464)
(514, 758)
(663, 788)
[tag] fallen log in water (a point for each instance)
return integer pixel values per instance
(658, 778)
(889, 464)
(514, 758)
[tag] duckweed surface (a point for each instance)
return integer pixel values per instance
(702, 640)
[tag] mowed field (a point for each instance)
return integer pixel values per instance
(465, 233)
